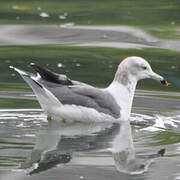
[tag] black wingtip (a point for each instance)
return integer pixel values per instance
(45, 73)
(39, 69)
(50, 76)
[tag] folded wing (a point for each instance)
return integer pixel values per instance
(69, 92)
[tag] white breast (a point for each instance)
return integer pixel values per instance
(123, 98)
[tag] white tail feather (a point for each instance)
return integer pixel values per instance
(46, 99)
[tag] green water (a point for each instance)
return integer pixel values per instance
(21, 126)
(159, 17)
(96, 66)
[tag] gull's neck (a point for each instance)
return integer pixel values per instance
(122, 89)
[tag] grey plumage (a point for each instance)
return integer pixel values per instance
(77, 93)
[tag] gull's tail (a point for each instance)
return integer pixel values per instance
(46, 99)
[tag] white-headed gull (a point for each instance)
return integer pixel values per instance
(68, 100)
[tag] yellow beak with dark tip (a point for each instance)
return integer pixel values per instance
(165, 83)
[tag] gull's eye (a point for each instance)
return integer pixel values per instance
(144, 67)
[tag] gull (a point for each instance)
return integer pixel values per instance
(68, 100)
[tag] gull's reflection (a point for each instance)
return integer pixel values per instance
(57, 144)
(123, 152)
(124, 155)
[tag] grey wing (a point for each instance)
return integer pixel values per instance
(88, 97)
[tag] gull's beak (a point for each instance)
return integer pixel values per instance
(159, 78)
(165, 83)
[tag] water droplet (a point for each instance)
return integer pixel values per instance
(64, 16)
(105, 36)
(17, 17)
(59, 65)
(78, 65)
(67, 25)
(44, 15)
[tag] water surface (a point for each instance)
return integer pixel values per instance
(85, 150)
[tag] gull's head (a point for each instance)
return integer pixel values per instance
(138, 68)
